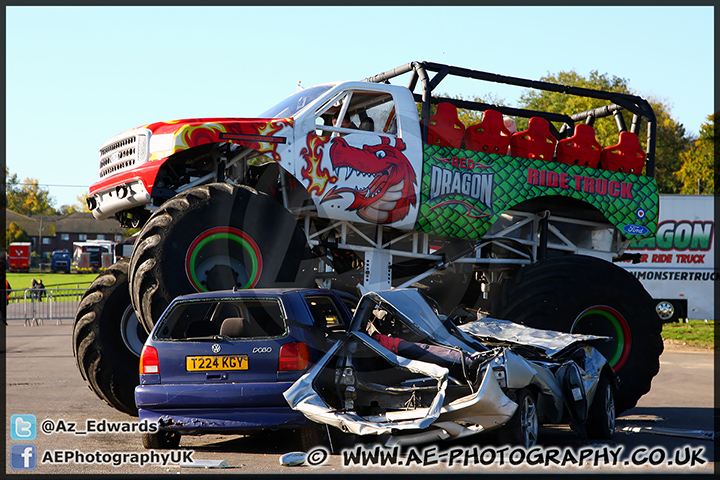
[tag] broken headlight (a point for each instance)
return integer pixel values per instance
(499, 371)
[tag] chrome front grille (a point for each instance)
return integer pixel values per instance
(122, 153)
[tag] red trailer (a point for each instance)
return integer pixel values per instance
(19, 257)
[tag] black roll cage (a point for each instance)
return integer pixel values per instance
(639, 107)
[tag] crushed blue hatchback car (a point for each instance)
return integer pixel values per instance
(219, 362)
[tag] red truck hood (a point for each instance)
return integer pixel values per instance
(258, 126)
(260, 134)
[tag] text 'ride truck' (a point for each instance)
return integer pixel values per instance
(368, 185)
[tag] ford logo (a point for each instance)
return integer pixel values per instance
(636, 229)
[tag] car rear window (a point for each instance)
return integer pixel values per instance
(235, 318)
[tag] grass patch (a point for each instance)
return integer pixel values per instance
(20, 281)
(696, 333)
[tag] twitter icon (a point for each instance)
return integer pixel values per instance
(23, 427)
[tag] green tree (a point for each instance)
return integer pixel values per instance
(13, 233)
(27, 197)
(671, 140)
(468, 117)
(696, 173)
(472, 117)
(81, 206)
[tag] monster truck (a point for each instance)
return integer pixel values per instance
(369, 185)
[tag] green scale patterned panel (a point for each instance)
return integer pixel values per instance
(464, 192)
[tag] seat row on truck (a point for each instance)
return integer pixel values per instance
(492, 135)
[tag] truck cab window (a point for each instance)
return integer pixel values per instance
(358, 111)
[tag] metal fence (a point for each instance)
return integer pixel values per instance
(34, 307)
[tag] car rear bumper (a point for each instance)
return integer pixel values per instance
(193, 421)
(215, 395)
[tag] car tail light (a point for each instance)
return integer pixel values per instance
(294, 356)
(149, 362)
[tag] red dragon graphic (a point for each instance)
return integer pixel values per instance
(391, 191)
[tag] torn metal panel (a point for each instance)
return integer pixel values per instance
(594, 362)
(521, 373)
(301, 396)
(365, 387)
(301, 392)
(414, 310)
(549, 341)
(487, 408)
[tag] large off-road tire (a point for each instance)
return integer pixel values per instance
(107, 339)
(581, 294)
(216, 237)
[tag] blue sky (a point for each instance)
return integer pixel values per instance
(76, 76)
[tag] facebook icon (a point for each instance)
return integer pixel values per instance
(23, 457)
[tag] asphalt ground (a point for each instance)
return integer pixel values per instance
(669, 428)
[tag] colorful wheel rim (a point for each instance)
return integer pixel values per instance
(225, 234)
(621, 330)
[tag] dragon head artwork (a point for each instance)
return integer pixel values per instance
(391, 188)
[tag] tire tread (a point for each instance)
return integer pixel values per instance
(108, 377)
(538, 296)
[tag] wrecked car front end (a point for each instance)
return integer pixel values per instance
(413, 376)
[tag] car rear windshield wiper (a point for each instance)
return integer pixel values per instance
(206, 338)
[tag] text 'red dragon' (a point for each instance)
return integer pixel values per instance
(391, 191)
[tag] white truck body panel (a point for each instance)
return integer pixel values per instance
(313, 147)
(679, 263)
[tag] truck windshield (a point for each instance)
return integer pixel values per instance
(289, 106)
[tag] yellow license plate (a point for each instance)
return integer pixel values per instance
(217, 362)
